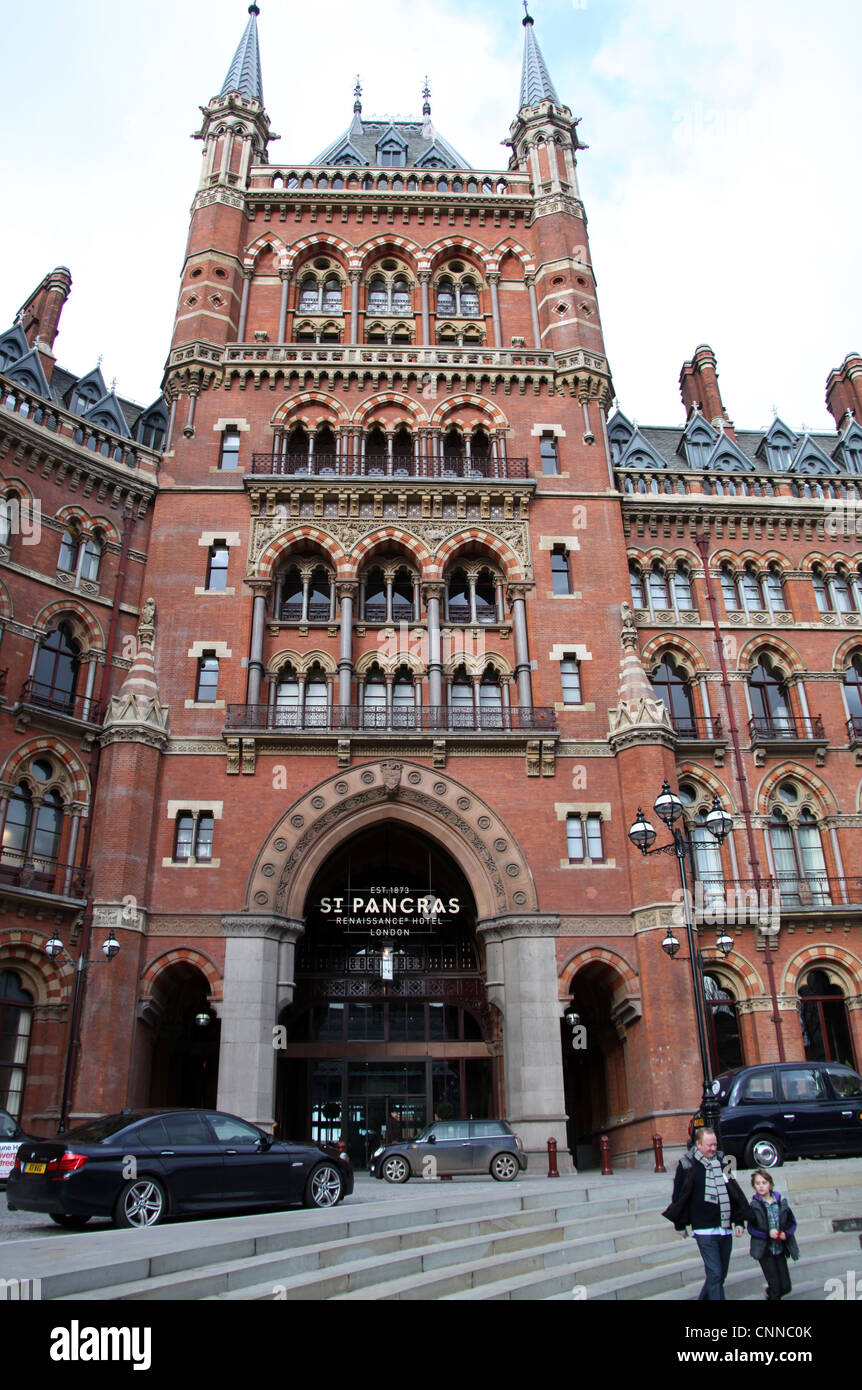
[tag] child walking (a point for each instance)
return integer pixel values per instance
(772, 1227)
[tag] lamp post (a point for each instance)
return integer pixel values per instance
(53, 948)
(669, 809)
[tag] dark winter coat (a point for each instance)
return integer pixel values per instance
(762, 1220)
(688, 1206)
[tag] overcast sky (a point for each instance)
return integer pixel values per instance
(721, 183)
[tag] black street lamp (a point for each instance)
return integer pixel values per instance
(669, 809)
(110, 948)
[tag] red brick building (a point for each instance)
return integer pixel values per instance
(392, 626)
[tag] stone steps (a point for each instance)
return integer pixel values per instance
(531, 1240)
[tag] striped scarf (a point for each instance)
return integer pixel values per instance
(715, 1189)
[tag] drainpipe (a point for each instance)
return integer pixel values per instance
(702, 542)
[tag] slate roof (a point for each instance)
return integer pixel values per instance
(422, 144)
(244, 74)
(536, 84)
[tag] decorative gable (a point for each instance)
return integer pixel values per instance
(641, 454)
(810, 458)
(848, 453)
(728, 457)
(697, 442)
(13, 346)
(620, 431)
(107, 414)
(28, 371)
(777, 447)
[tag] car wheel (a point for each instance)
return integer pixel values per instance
(763, 1151)
(142, 1202)
(504, 1167)
(395, 1168)
(324, 1186)
(63, 1218)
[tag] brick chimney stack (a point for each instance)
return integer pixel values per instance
(844, 389)
(40, 315)
(698, 384)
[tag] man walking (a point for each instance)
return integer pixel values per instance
(705, 1202)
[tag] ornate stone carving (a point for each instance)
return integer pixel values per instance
(147, 625)
(391, 771)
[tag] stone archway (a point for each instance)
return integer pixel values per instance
(519, 941)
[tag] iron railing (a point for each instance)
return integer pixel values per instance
(765, 727)
(697, 727)
(854, 725)
(62, 702)
(379, 466)
(398, 719)
(43, 875)
(785, 891)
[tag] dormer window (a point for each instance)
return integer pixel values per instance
(391, 155)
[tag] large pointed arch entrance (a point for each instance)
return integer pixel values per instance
(390, 1023)
(507, 958)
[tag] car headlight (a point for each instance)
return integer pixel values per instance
(344, 1158)
(377, 1153)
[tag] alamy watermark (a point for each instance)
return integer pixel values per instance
(22, 518)
(713, 905)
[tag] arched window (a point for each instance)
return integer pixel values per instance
(486, 597)
(800, 865)
(16, 825)
(332, 297)
(401, 303)
(469, 300)
(446, 299)
(91, 558)
(316, 698)
(826, 1033)
(821, 590)
(490, 700)
(458, 598)
(309, 296)
(374, 699)
(56, 675)
(672, 687)
(853, 695)
(378, 297)
(402, 597)
(320, 596)
(770, 702)
(6, 506)
(775, 590)
(16, 1014)
(402, 453)
(374, 607)
(287, 699)
(637, 588)
(67, 560)
(376, 452)
(403, 700)
(752, 591)
(682, 589)
(845, 599)
(461, 712)
(729, 589)
(707, 861)
(658, 588)
(725, 1043)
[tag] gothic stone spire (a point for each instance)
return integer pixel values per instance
(244, 74)
(536, 84)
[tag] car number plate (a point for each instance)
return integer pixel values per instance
(35, 1167)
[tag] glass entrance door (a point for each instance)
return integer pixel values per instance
(386, 1103)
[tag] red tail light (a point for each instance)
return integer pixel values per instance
(16, 1166)
(62, 1167)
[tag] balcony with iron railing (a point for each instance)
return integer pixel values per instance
(60, 704)
(379, 468)
(370, 355)
(698, 728)
(788, 733)
(36, 874)
(761, 900)
(397, 719)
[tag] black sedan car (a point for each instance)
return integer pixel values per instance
(453, 1147)
(142, 1166)
(784, 1110)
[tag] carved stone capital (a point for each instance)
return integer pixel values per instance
(268, 926)
(510, 928)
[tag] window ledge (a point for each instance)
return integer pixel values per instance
(199, 589)
(168, 863)
(588, 863)
(204, 704)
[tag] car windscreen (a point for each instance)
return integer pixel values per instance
(845, 1084)
(8, 1127)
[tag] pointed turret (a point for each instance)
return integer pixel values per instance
(244, 74)
(536, 84)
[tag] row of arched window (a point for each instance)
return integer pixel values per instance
(389, 592)
(80, 553)
(775, 713)
(826, 1033)
(747, 589)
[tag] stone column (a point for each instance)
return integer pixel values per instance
(534, 311)
(432, 594)
(517, 598)
(243, 311)
(258, 980)
(354, 306)
(260, 589)
(346, 594)
(494, 281)
(424, 280)
(522, 982)
(282, 312)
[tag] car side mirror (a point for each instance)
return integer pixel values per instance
(432, 1139)
(264, 1143)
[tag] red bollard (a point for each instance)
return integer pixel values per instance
(341, 1146)
(659, 1154)
(607, 1170)
(552, 1159)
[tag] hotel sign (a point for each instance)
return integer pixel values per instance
(388, 911)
